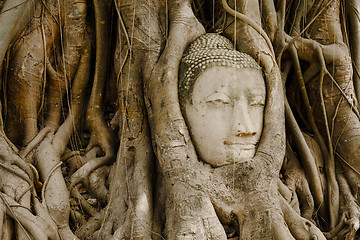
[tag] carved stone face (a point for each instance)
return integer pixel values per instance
(225, 117)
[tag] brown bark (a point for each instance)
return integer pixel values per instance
(112, 158)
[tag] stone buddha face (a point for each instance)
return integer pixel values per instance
(224, 108)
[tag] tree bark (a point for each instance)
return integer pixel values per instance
(94, 144)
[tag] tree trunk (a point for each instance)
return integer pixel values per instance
(94, 144)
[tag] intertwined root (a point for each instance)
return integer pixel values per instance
(51, 183)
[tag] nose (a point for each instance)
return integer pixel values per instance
(243, 125)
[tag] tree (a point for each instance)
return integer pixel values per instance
(94, 145)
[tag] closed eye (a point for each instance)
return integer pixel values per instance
(256, 104)
(218, 99)
(257, 101)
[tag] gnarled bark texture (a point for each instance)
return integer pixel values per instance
(93, 144)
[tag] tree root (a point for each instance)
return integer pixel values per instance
(47, 181)
(250, 22)
(300, 228)
(13, 22)
(350, 209)
(352, 10)
(56, 195)
(336, 230)
(82, 174)
(39, 137)
(25, 77)
(83, 203)
(99, 129)
(52, 147)
(18, 224)
(97, 183)
(201, 223)
(307, 159)
(17, 173)
(90, 226)
(11, 158)
(296, 181)
(186, 204)
(38, 228)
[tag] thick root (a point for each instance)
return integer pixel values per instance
(300, 228)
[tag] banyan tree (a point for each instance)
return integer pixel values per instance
(179, 119)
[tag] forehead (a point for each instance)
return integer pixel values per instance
(229, 80)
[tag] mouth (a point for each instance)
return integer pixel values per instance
(242, 145)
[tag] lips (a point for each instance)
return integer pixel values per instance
(226, 142)
(240, 146)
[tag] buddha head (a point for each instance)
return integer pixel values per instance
(222, 97)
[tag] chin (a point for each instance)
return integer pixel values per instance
(240, 155)
(230, 157)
